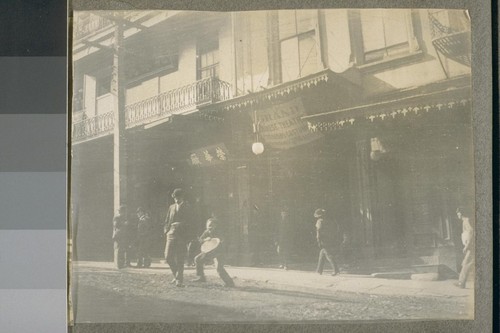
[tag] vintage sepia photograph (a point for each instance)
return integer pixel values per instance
(271, 166)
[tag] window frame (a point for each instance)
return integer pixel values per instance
(205, 48)
(357, 47)
(311, 33)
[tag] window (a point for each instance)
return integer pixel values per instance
(208, 60)
(379, 34)
(78, 102)
(298, 43)
(103, 85)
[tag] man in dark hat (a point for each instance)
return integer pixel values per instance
(327, 234)
(179, 229)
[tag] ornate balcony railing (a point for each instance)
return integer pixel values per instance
(185, 98)
(93, 127)
(89, 23)
(450, 30)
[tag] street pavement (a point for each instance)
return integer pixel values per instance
(308, 279)
(105, 294)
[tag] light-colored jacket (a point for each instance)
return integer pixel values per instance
(467, 232)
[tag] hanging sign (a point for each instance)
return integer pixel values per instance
(281, 125)
(211, 155)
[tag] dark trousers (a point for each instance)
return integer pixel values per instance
(326, 254)
(175, 254)
(467, 265)
(143, 257)
(122, 254)
(119, 254)
(200, 260)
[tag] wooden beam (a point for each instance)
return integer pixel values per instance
(95, 44)
(126, 23)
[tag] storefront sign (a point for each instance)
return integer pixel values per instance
(210, 155)
(281, 126)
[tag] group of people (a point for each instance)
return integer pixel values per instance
(132, 238)
(180, 230)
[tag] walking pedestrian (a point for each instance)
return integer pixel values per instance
(468, 243)
(327, 234)
(217, 254)
(179, 229)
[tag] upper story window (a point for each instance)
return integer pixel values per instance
(208, 59)
(78, 97)
(381, 34)
(298, 43)
(103, 85)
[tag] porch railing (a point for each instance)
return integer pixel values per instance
(93, 127)
(185, 98)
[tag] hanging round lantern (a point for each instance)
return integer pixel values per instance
(257, 148)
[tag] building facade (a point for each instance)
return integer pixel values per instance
(365, 113)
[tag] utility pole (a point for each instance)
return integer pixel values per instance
(119, 138)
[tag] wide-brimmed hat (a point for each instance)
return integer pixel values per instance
(320, 212)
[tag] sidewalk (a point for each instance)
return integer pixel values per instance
(360, 284)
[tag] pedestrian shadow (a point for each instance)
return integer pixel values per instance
(301, 294)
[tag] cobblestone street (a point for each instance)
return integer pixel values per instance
(145, 295)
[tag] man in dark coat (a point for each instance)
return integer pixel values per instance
(284, 237)
(327, 234)
(144, 233)
(179, 229)
(121, 238)
(217, 254)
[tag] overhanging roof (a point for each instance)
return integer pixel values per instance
(439, 96)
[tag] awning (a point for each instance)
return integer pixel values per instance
(410, 102)
(345, 85)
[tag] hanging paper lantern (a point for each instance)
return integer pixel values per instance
(257, 148)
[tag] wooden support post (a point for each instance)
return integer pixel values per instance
(119, 138)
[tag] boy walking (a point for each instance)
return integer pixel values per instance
(216, 254)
